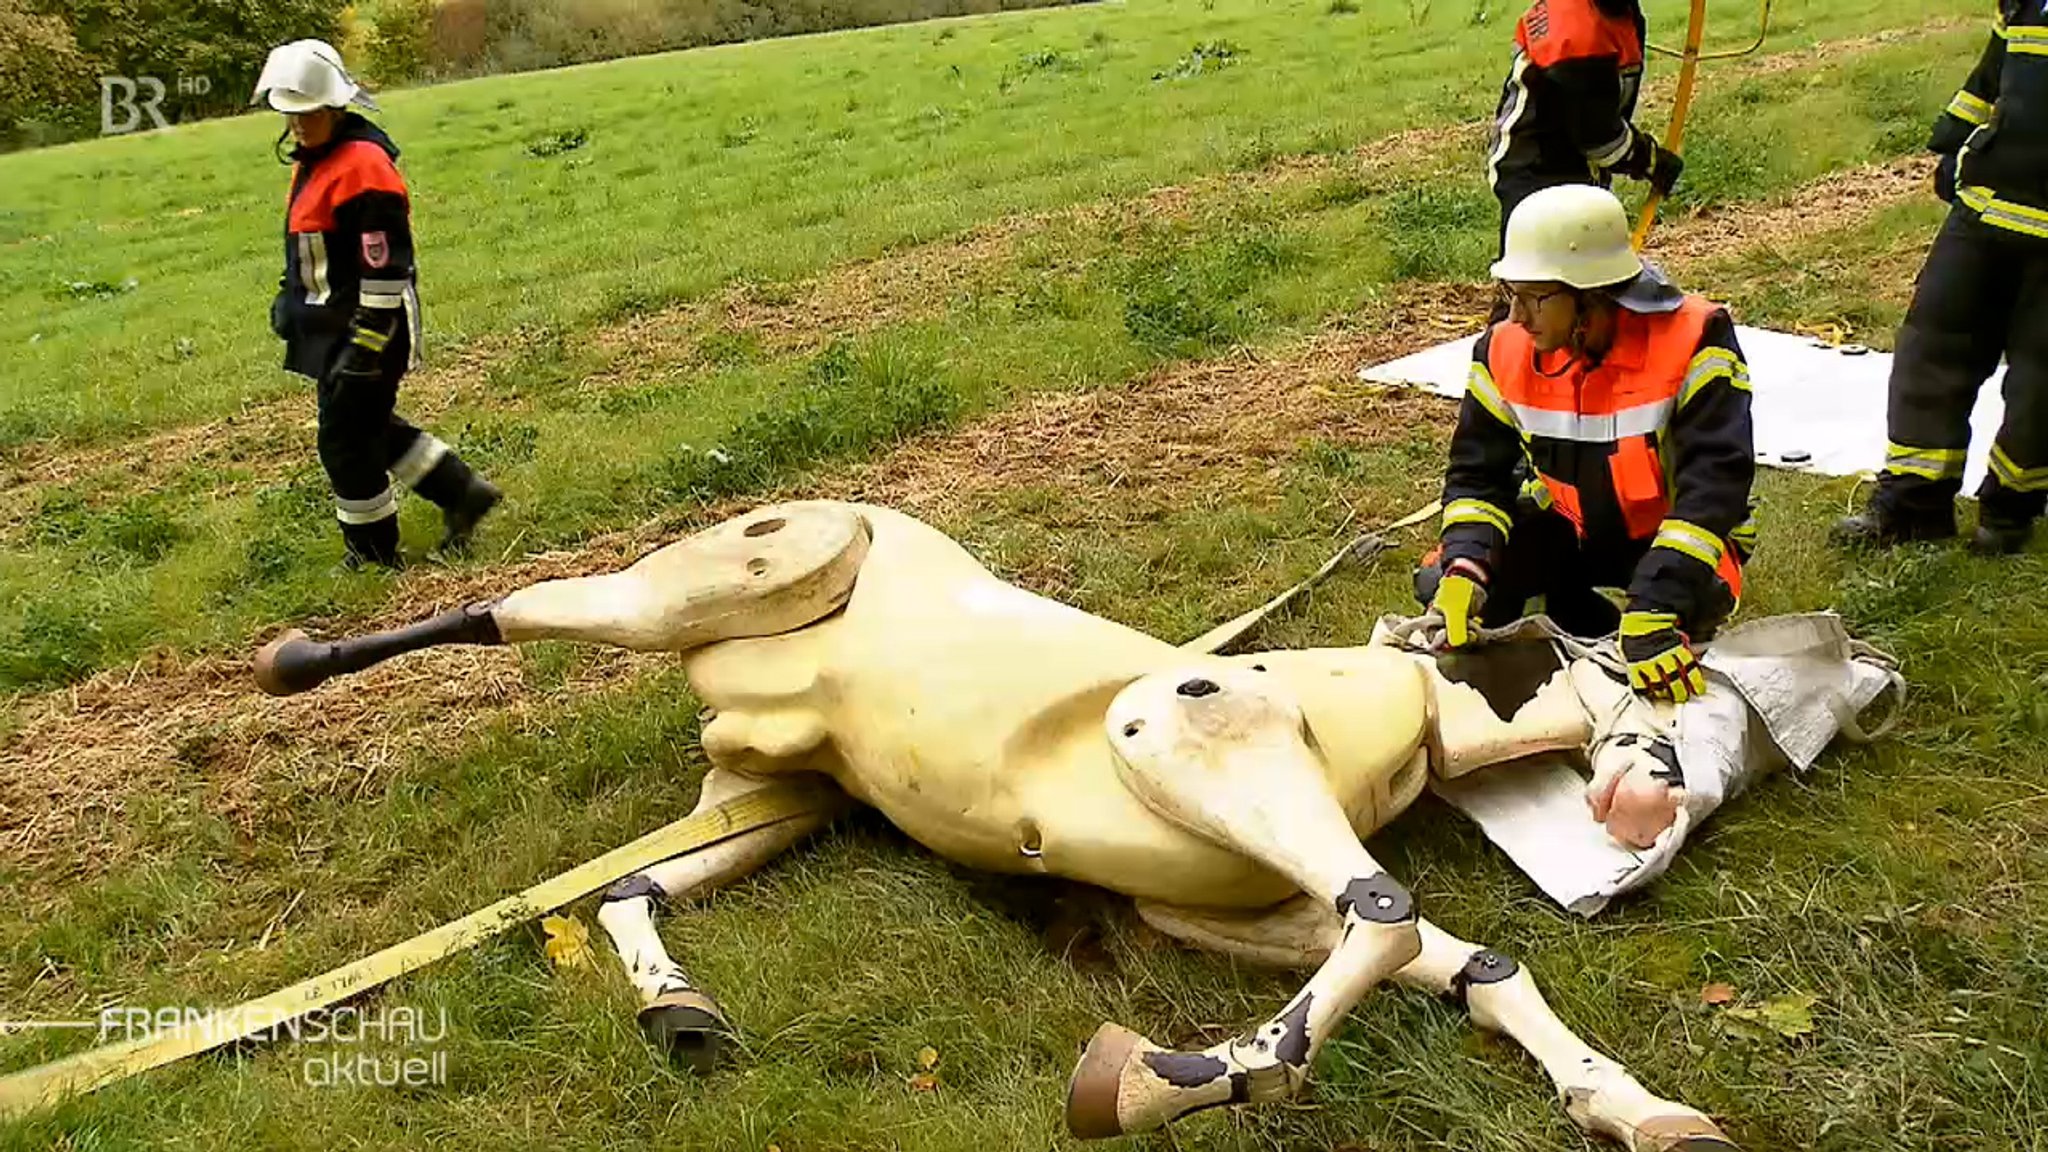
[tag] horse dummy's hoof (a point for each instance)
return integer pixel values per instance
(690, 1027)
(1097, 1080)
(1683, 1134)
(288, 665)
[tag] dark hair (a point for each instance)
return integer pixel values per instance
(1617, 7)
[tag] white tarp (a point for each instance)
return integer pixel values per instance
(1818, 407)
(1780, 690)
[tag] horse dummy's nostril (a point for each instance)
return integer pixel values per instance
(1198, 688)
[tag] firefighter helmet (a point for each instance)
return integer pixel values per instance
(1573, 234)
(308, 74)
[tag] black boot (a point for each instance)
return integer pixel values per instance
(464, 498)
(372, 543)
(1902, 510)
(2005, 518)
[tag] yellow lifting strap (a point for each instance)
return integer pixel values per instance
(1362, 548)
(1688, 69)
(96, 1068)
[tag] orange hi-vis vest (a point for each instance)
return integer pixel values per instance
(1594, 433)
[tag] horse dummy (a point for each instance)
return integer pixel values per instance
(1228, 796)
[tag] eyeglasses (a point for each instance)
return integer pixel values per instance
(1529, 301)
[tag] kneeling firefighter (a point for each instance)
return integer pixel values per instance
(1628, 402)
(348, 311)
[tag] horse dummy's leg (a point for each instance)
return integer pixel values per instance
(1598, 1093)
(772, 570)
(677, 1016)
(1221, 751)
(1298, 933)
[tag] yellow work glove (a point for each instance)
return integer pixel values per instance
(1459, 596)
(1661, 664)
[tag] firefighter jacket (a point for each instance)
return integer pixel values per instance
(1653, 445)
(1565, 110)
(1997, 124)
(348, 256)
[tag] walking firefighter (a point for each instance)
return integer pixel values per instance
(1566, 108)
(348, 309)
(1982, 294)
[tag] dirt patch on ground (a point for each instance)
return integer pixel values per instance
(922, 282)
(263, 441)
(1213, 421)
(1834, 51)
(1837, 202)
(80, 758)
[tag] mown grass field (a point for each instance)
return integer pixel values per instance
(1101, 326)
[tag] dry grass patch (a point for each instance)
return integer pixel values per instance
(78, 758)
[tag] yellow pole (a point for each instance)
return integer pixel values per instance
(1688, 71)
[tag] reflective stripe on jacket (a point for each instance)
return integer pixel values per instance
(1996, 125)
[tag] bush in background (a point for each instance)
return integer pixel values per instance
(52, 52)
(42, 72)
(390, 41)
(521, 35)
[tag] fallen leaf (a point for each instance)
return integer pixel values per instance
(927, 1058)
(1717, 994)
(568, 944)
(924, 1082)
(1790, 1016)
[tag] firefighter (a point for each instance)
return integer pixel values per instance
(1629, 403)
(347, 309)
(1982, 291)
(1566, 108)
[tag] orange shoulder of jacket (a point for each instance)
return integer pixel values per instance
(1554, 31)
(361, 166)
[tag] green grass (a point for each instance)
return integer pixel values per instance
(1901, 885)
(588, 438)
(1856, 281)
(862, 141)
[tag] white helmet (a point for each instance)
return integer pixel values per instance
(1574, 234)
(308, 74)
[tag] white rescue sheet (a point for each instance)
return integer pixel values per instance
(1818, 408)
(1780, 690)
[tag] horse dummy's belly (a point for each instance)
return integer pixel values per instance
(970, 713)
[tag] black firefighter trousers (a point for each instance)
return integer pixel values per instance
(1545, 556)
(1983, 293)
(367, 449)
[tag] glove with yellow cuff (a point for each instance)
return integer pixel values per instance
(1661, 663)
(1459, 597)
